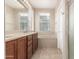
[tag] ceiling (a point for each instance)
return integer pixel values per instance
(14, 4)
(43, 3)
(35, 3)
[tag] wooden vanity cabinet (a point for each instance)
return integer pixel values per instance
(11, 49)
(35, 42)
(22, 48)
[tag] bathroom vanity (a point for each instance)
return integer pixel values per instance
(21, 45)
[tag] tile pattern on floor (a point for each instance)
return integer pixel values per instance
(47, 53)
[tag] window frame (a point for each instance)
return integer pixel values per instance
(44, 14)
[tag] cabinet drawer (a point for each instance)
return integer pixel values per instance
(35, 36)
(29, 42)
(29, 37)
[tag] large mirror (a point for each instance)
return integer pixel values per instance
(16, 17)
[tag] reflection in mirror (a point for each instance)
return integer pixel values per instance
(23, 21)
(16, 16)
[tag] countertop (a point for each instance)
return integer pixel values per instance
(14, 36)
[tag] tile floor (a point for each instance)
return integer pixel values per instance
(47, 53)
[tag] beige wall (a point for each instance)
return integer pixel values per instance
(10, 20)
(46, 39)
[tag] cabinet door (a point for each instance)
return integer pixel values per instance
(30, 52)
(10, 50)
(29, 46)
(35, 42)
(21, 48)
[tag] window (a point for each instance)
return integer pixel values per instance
(44, 22)
(24, 22)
